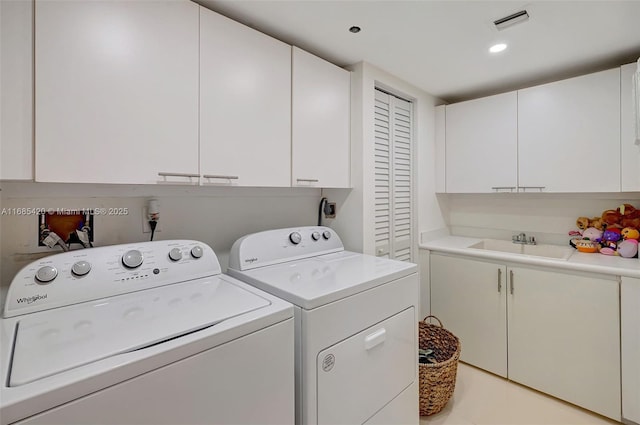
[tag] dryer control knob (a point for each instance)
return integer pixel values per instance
(175, 254)
(132, 259)
(295, 238)
(46, 274)
(315, 236)
(81, 268)
(326, 234)
(196, 251)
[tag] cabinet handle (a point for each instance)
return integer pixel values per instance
(511, 281)
(308, 180)
(499, 188)
(499, 280)
(524, 188)
(218, 176)
(162, 174)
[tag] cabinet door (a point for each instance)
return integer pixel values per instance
(469, 297)
(245, 105)
(630, 315)
(481, 145)
(564, 337)
(320, 123)
(16, 63)
(569, 134)
(629, 147)
(116, 90)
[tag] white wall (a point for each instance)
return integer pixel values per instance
(214, 215)
(547, 216)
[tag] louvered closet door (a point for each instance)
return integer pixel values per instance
(393, 177)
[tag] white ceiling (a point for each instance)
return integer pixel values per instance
(442, 46)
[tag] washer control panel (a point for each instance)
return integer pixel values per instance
(277, 246)
(89, 274)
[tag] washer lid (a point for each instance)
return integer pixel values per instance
(57, 340)
(312, 282)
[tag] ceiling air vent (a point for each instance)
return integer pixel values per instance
(512, 19)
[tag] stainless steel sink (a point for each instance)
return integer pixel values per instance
(541, 250)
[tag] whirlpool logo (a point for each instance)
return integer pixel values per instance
(251, 260)
(32, 299)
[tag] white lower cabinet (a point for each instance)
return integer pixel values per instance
(564, 337)
(469, 297)
(557, 332)
(630, 314)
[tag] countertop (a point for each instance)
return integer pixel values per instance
(578, 261)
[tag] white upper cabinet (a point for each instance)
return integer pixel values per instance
(569, 134)
(245, 105)
(482, 145)
(16, 62)
(320, 122)
(630, 149)
(440, 149)
(116, 91)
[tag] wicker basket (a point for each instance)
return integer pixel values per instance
(437, 380)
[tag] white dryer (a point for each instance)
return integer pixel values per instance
(356, 324)
(144, 333)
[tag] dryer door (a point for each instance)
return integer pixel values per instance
(357, 377)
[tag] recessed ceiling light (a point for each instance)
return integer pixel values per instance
(355, 29)
(497, 47)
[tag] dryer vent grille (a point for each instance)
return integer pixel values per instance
(512, 19)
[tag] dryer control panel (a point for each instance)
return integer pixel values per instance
(281, 245)
(89, 274)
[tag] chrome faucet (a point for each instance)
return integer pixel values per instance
(523, 239)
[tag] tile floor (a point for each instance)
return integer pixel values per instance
(481, 398)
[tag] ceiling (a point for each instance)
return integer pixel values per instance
(442, 46)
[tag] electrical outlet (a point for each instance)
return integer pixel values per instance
(145, 222)
(331, 206)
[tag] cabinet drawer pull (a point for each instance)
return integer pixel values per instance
(524, 188)
(511, 281)
(499, 280)
(308, 180)
(162, 174)
(218, 176)
(499, 188)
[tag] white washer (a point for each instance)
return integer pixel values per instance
(356, 324)
(144, 333)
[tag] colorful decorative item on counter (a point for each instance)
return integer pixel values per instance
(630, 233)
(628, 248)
(584, 223)
(585, 245)
(615, 232)
(592, 234)
(611, 235)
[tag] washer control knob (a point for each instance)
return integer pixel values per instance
(315, 236)
(295, 238)
(175, 254)
(81, 268)
(196, 251)
(132, 259)
(46, 274)
(326, 234)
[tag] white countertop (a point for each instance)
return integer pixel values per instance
(595, 263)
